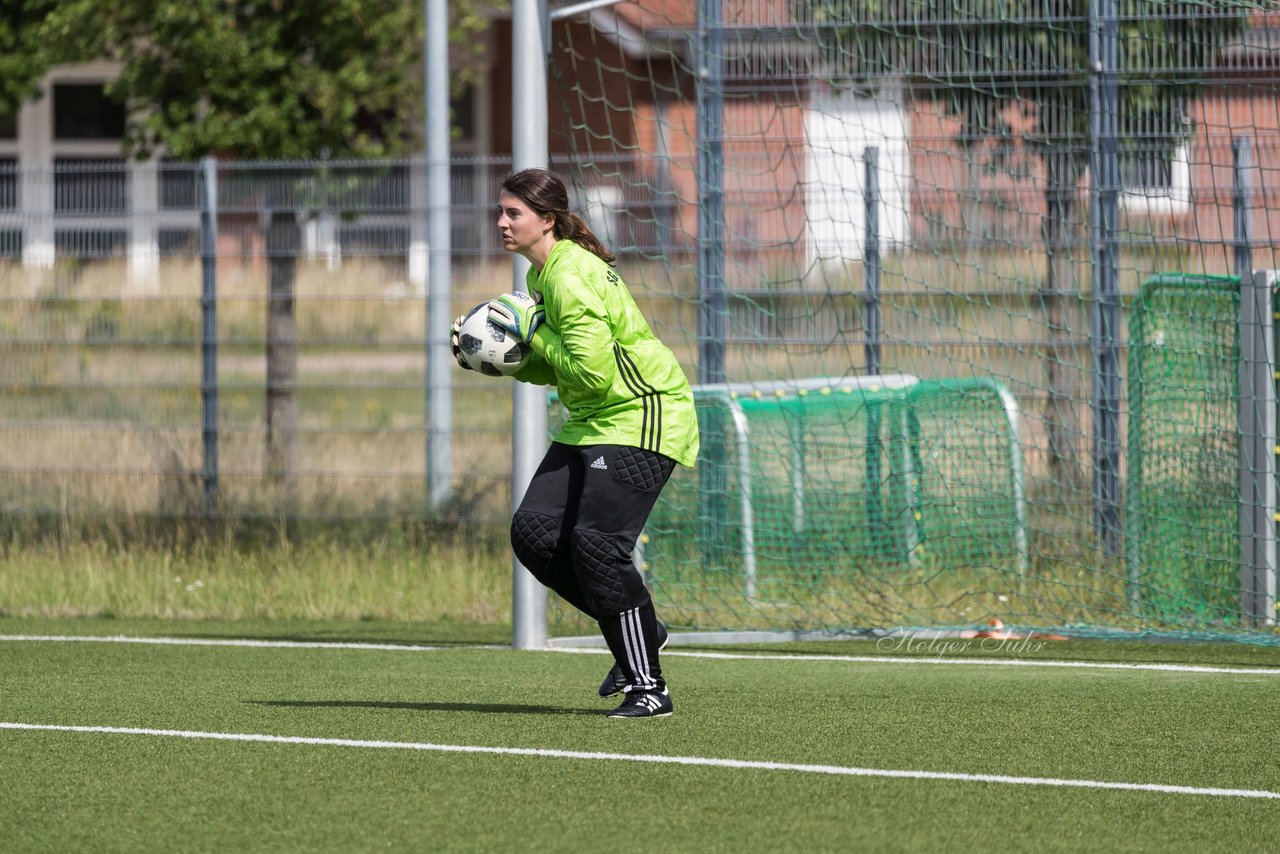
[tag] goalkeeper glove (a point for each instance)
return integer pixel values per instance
(519, 314)
(454, 346)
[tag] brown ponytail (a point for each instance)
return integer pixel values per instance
(575, 228)
(545, 194)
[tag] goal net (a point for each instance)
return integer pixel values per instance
(807, 197)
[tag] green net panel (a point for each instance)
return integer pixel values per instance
(1183, 500)
(842, 505)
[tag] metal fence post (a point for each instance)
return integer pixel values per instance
(713, 464)
(439, 287)
(1257, 406)
(871, 326)
(209, 333)
(1105, 332)
(710, 178)
(1241, 196)
(529, 38)
(1257, 402)
(871, 260)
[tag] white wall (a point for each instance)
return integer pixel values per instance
(839, 127)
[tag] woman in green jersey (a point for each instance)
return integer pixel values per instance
(631, 421)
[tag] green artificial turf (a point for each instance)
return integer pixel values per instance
(120, 792)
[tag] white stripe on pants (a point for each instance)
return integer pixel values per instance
(637, 652)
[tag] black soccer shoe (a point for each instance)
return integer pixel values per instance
(644, 704)
(616, 680)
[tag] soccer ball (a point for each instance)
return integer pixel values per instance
(488, 348)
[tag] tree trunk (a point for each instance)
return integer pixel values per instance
(283, 243)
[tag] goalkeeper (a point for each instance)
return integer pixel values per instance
(631, 421)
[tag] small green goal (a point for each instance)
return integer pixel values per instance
(811, 496)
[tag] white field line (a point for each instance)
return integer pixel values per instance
(729, 656)
(244, 642)
(743, 764)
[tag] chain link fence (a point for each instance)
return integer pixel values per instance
(255, 352)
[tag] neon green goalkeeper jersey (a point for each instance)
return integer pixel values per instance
(620, 384)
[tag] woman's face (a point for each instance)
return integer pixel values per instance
(521, 228)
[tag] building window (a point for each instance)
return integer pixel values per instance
(180, 185)
(1156, 178)
(178, 242)
(1154, 171)
(462, 109)
(90, 243)
(384, 192)
(9, 126)
(8, 183)
(84, 185)
(83, 111)
(377, 240)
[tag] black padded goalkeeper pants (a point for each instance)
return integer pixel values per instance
(575, 531)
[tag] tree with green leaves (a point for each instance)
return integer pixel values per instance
(248, 80)
(24, 56)
(984, 60)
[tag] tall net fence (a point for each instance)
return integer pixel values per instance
(971, 196)
(900, 249)
(243, 350)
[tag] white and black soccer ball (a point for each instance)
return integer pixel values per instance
(487, 347)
